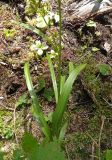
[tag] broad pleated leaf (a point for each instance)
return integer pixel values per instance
(35, 151)
(30, 146)
(50, 151)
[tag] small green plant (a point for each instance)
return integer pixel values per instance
(95, 49)
(31, 6)
(60, 97)
(53, 128)
(104, 69)
(9, 33)
(91, 23)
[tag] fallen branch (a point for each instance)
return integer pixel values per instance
(87, 8)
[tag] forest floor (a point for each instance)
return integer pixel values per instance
(90, 104)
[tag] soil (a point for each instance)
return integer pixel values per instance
(91, 99)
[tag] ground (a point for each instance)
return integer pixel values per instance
(90, 104)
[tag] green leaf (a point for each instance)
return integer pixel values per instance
(30, 146)
(63, 98)
(33, 29)
(47, 151)
(50, 151)
(49, 117)
(62, 82)
(36, 107)
(53, 77)
(8, 133)
(18, 154)
(91, 23)
(41, 85)
(109, 154)
(22, 100)
(104, 69)
(71, 67)
(63, 131)
(48, 94)
(1, 156)
(95, 49)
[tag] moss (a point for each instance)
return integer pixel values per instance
(79, 144)
(6, 124)
(98, 88)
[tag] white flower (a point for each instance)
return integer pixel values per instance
(40, 52)
(44, 1)
(38, 43)
(41, 22)
(44, 47)
(56, 17)
(51, 15)
(39, 47)
(53, 54)
(33, 47)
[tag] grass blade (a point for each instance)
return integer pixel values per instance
(63, 99)
(53, 77)
(33, 29)
(36, 107)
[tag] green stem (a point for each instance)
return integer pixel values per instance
(60, 40)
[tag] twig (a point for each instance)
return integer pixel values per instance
(3, 63)
(110, 104)
(93, 146)
(94, 156)
(7, 108)
(99, 141)
(92, 139)
(14, 120)
(93, 149)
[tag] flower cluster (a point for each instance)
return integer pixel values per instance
(40, 48)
